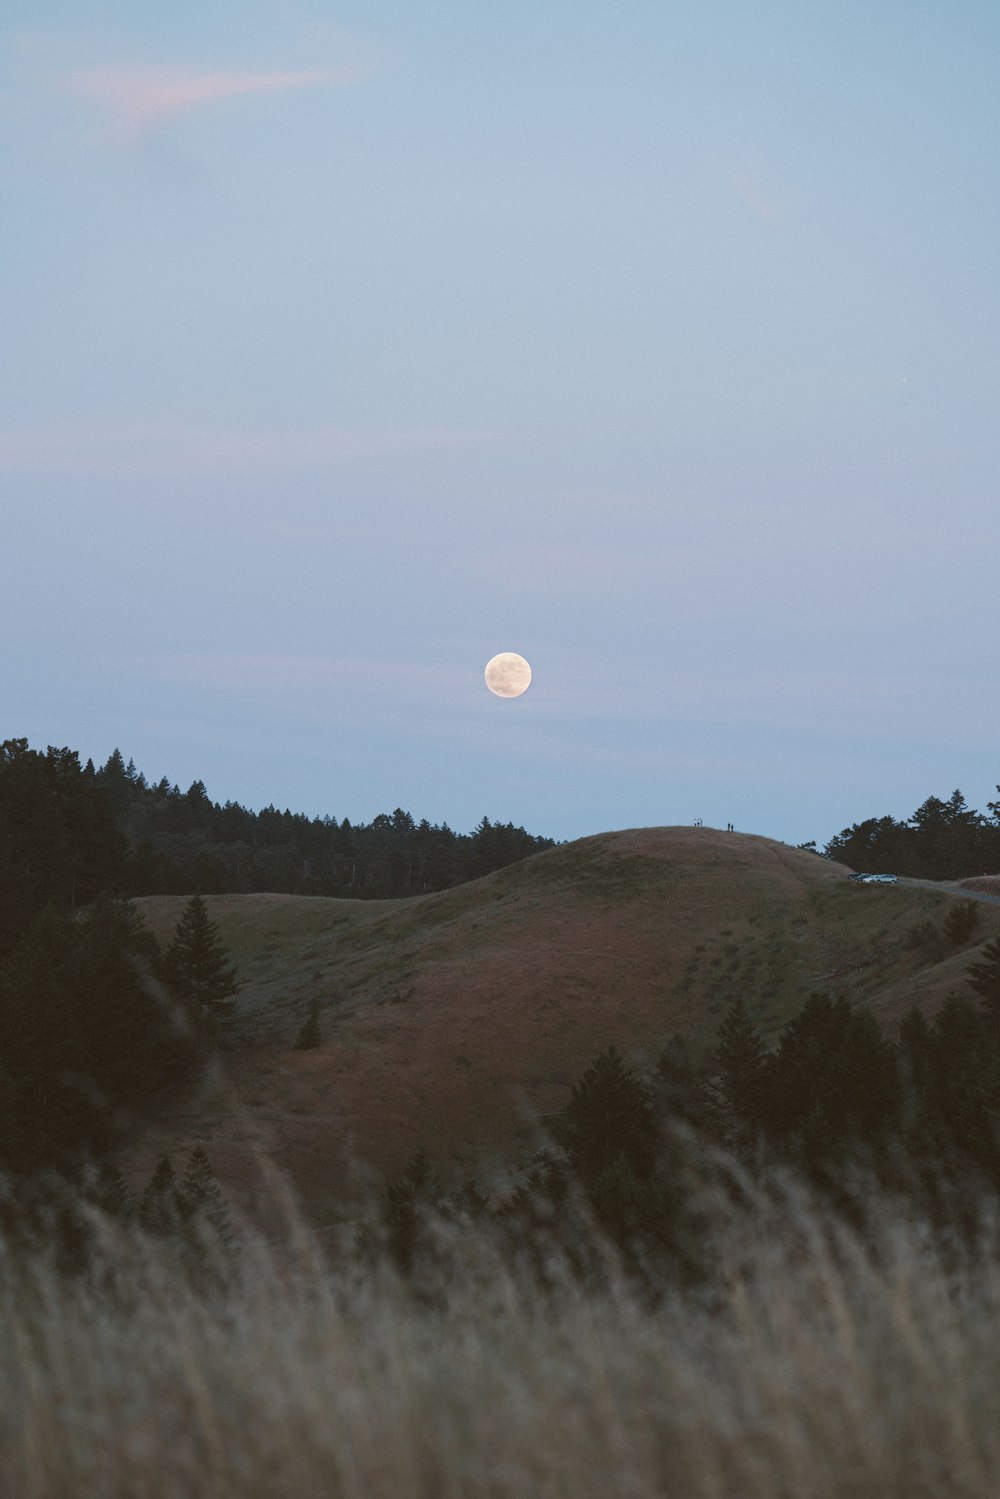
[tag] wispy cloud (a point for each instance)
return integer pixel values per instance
(146, 449)
(139, 98)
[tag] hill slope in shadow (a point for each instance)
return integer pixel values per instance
(458, 1021)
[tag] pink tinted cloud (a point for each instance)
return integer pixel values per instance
(141, 97)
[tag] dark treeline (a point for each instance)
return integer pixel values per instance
(943, 840)
(96, 1022)
(99, 1027)
(182, 841)
(90, 1034)
(80, 829)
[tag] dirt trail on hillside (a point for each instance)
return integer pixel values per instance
(967, 890)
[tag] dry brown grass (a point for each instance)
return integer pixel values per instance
(455, 1021)
(828, 1368)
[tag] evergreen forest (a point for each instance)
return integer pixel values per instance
(76, 829)
(941, 840)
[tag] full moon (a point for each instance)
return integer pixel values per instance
(508, 675)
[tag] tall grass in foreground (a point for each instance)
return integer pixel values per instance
(818, 1364)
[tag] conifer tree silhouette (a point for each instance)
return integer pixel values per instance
(610, 1115)
(202, 1201)
(960, 923)
(733, 1090)
(984, 978)
(160, 1210)
(197, 964)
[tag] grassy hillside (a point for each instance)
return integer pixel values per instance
(457, 1021)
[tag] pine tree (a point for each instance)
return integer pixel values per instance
(108, 1190)
(113, 776)
(832, 1061)
(916, 1056)
(678, 1085)
(738, 1065)
(51, 1111)
(960, 923)
(202, 1202)
(133, 1043)
(984, 978)
(964, 1093)
(197, 964)
(610, 1116)
(160, 1211)
(631, 1177)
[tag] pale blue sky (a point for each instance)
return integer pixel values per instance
(347, 345)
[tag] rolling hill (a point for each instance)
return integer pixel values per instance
(458, 1021)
